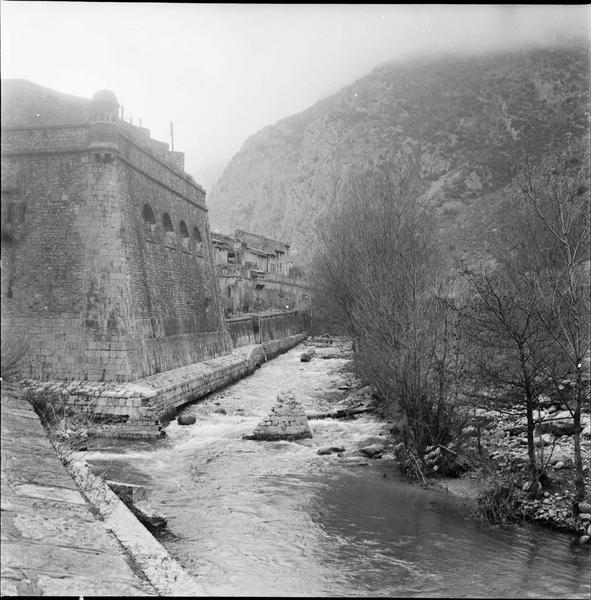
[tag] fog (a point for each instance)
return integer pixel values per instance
(221, 72)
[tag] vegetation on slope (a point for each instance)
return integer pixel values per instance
(463, 115)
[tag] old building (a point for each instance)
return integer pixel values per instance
(256, 274)
(107, 263)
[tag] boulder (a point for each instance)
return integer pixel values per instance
(135, 498)
(220, 411)
(186, 419)
(517, 430)
(286, 421)
(565, 427)
(373, 451)
(584, 507)
(520, 459)
(128, 492)
(559, 465)
(544, 440)
(146, 513)
(558, 457)
(432, 455)
(307, 355)
(469, 431)
(456, 467)
(330, 450)
(543, 427)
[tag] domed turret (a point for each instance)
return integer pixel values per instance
(105, 96)
(104, 106)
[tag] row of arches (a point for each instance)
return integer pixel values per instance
(150, 225)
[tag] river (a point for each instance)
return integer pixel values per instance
(276, 519)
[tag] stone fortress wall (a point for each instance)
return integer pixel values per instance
(108, 271)
(107, 265)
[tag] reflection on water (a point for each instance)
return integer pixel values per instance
(256, 518)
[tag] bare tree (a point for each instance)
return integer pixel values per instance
(554, 191)
(516, 350)
(532, 310)
(379, 263)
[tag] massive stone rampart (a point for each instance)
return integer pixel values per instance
(107, 267)
(264, 327)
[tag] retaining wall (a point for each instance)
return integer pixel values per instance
(139, 409)
(264, 327)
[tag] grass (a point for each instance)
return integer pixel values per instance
(67, 427)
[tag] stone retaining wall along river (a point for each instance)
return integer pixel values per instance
(137, 409)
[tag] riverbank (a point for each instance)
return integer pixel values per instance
(494, 454)
(279, 518)
(141, 408)
(87, 519)
(51, 543)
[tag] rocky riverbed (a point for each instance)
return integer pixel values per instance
(327, 515)
(492, 447)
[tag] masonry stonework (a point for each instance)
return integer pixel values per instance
(107, 267)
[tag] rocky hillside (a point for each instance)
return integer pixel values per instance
(465, 113)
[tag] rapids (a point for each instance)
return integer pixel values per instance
(275, 519)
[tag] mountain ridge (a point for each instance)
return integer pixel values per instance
(465, 114)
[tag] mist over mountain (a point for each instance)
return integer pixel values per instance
(465, 114)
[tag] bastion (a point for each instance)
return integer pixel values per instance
(108, 280)
(107, 268)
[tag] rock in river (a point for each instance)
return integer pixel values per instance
(186, 419)
(330, 450)
(307, 356)
(373, 451)
(146, 513)
(287, 421)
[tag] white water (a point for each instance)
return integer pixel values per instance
(274, 518)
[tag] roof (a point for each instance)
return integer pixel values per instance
(105, 96)
(260, 241)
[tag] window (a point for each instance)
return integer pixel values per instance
(149, 219)
(7, 264)
(197, 240)
(170, 238)
(167, 223)
(184, 233)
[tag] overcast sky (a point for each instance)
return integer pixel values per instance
(220, 72)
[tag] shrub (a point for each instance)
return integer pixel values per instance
(497, 501)
(64, 424)
(13, 351)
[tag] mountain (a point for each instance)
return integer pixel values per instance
(466, 114)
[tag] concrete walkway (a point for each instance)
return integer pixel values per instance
(51, 544)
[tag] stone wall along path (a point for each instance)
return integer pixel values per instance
(51, 543)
